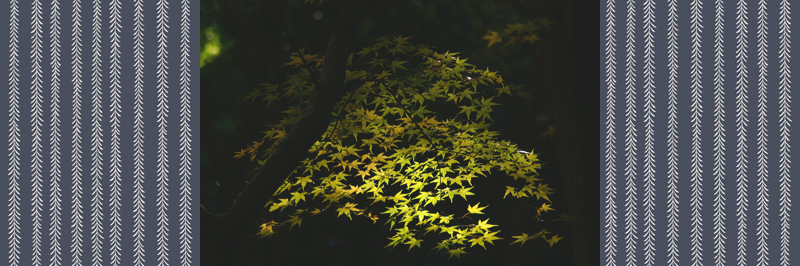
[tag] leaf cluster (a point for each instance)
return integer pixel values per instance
(405, 145)
(517, 33)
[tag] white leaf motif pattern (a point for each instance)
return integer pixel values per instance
(92, 229)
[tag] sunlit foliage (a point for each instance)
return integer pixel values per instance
(405, 145)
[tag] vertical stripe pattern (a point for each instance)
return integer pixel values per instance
(707, 129)
(79, 185)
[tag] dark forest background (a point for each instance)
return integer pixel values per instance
(246, 43)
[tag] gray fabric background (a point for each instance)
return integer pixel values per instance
(126, 127)
(684, 99)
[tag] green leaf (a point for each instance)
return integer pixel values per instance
(295, 220)
(493, 37)
(457, 252)
(475, 209)
(466, 110)
(521, 239)
(449, 230)
(490, 236)
(303, 181)
(397, 64)
(441, 245)
(431, 228)
(346, 209)
(483, 225)
(413, 242)
(465, 192)
(478, 241)
(251, 95)
(554, 240)
(281, 205)
(508, 190)
(546, 207)
(298, 196)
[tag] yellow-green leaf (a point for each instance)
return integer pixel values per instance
(484, 224)
(413, 242)
(521, 239)
(554, 240)
(493, 37)
(298, 196)
(457, 252)
(546, 207)
(475, 209)
(490, 236)
(295, 220)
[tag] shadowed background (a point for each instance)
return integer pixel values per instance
(246, 42)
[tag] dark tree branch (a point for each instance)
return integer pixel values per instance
(225, 234)
(316, 118)
(573, 113)
(311, 126)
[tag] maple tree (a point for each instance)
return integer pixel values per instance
(330, 109)
(409, 137)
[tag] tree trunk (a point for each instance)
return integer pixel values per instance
(226, 238)
(249, 53)
(564, 75)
